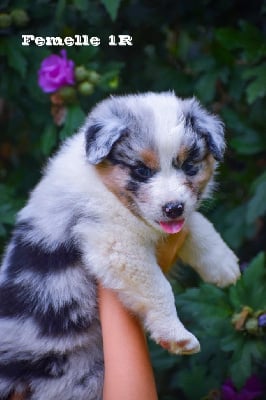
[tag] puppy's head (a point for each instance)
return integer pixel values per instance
(157, 153)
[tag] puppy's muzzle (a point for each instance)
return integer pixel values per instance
(173, 209)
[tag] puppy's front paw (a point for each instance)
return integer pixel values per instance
(184, 343)
(230, 271)
(223, 270)
(182, 347)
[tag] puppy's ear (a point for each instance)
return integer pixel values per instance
(102, 130)
(207, 126)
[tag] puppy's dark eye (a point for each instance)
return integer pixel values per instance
(190, 169)
(142, 172)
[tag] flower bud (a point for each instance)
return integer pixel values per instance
(81, 73)
(19, 17)
(67, 94)
(113, 83)
(86, 88)
(251, 326)
(239, 319)
(93, 77)
(5, 20)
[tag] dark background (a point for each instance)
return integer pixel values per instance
(213, 50)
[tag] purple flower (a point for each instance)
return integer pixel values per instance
(252, 389)
(56, 71)
(262, 320)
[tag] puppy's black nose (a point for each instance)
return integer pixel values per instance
(173, 209)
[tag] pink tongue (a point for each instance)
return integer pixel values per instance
(172, 226)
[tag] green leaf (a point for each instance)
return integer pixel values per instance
(60, 8)
(196, 382)
(111, 7)
(251, 287)
(7, 214)
(231, 341)
(237, 295)
(253, 290)
(244, 138)
(207, 305)
(2, 230)
(235, 232)
(255, 273)
(16, 58)
(48, 139)
(75, 117)
(258, 181)
(242, 361)
(240, 366)
(206, 86)
(257, 88)
(257, 205)
(82, 5)
(246, 38)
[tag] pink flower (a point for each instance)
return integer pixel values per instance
(56, 71)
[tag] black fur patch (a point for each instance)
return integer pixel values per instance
(91, 135)
(33, 256)
(189, 121)
(50, 366)
(19, 299)
(133, 186)
(15, 300)
(193, 153)
(57, 322)
(192, 122)
(216, 152)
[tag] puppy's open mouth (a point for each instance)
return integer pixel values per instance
(172, 226)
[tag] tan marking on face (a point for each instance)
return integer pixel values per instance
(150, 158)
(115, 179)
(205, 173)
(182, 154)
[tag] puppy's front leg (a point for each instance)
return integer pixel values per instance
(152, 298)
(143, 289)
(207, 253)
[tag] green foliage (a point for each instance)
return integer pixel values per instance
(112, 7)
(213, 50)
(227, 349)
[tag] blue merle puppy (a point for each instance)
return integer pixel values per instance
(134, 174)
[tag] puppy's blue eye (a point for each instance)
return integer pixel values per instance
(143, 172)
(190, 169)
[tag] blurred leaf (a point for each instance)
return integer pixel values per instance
(16, 58)
(245, 139)
(256, 273)
(48, 139)
(231, 341)
(257, 87)
(256, 207)
(82, 5)
(75, 117)
(247, 38)
(234, 225)
(112, 7)
(60, 7)
(206, 87)
(196, 382)
(7, 214)
(242, 360)
(247, 291)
